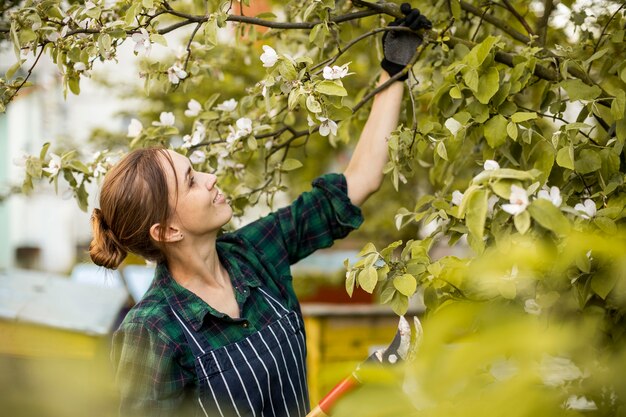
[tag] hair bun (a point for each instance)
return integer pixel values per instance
(105, 249)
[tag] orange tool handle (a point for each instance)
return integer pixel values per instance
(325, 405)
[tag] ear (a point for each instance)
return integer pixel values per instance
(172, 234)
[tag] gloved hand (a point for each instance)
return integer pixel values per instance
(399, 46)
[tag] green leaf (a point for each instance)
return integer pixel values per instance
(577, 90)
(488, 85)
(34, 168)
(350, 280)
(158, 38)
(522, 222)
(44, 151)
(399, 304)
(618, 106)
(495, 131)
(368, 277)
(74, 85)
(313, 105)
(471, 80)
(455, 93)
(605, 224)
(386, 295)
(441, 150)
(330, 88)
(587, 161)
(523, 116)
(511, 130)
(505, 173)
(476, 213)
(148, 4)
(406, 284)
(368, 248)
(210, 32)
(386, 253)
(290, 164)
(603, 283)
(13, 69)
(479, 53)
(287, 70)
(549, 216)
(565, 157)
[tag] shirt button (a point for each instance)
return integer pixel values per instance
(244, 324)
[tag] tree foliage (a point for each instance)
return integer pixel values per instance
(511, 140)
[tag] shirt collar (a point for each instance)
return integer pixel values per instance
(191, 307)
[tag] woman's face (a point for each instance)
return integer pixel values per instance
(199, 207)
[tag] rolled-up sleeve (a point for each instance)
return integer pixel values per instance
(313, 221)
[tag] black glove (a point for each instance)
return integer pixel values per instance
(399, 46)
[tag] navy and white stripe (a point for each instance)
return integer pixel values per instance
(254, 377)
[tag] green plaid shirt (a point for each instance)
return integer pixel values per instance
(154, 368)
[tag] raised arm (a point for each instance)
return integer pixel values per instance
(364, 173)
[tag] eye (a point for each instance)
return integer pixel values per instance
(192, 181)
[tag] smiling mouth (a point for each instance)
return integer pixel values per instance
(217, 197)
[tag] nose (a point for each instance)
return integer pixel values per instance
(211, 180)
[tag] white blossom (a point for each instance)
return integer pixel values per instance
(588, 207)
(165, 119)
(556, 371)
(197, 157)
(197, 136)
(453, 125)
(531, 307)
(244, 126)
(79, 66)
(227, 106)
(518, 200)
(310, 121)
(580, 403)
(54, 165)
(193, 108)
(100, 169)
(269, 57)
(175, 73)
(457, 197)
(553, 194)
(142, 41)
(134, 128)
(327, 126)
(336, 72)
(90, 5)
(21, 159)
(490, 165)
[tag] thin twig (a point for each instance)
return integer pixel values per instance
(518, 16)
(505, 27)
(193, 34)
(30, 72)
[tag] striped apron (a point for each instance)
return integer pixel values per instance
(261, 375)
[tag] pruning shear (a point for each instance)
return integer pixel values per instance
(402, 347)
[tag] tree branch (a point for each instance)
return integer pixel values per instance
(542, 25)
(518, 16)
(505, 27)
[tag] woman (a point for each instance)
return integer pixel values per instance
(219, 331)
